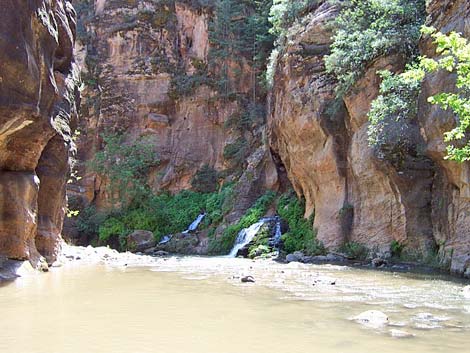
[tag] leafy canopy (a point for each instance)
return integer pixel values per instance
(398, 99)
(368, 29)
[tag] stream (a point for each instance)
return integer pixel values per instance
(200, 305)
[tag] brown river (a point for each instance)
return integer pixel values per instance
(199, 305)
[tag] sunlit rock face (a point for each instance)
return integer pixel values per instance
(132, 53)
(37, 115)
(356, 194)
(451, 192)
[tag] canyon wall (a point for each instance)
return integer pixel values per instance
(357, 193)
(146, 74)
(38, 95)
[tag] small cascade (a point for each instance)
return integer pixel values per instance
(193, 226)
(277, 233)
(246, 236)
(165, 239)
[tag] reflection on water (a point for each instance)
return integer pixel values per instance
(199, 305)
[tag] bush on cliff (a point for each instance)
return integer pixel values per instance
(301, 235)
(125, 166)
(398, 101)
(369, 29)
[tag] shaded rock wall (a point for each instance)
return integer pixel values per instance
(37, 116)
(356, 193)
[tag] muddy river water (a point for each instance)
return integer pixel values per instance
(200, 305)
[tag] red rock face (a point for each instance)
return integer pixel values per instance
(37, 113)
(355, 195)
(134, 51)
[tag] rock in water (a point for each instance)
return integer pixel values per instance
(248, 279)
(372, 319)
(140, 240)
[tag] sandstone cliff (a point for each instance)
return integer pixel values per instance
(357, 194)
(146, 74)
(37, 116)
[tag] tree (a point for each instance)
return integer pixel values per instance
(399, 92)
(225, 39)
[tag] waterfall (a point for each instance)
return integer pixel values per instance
(246, 236)
(277, 233)
(193, 226)
(165, 239)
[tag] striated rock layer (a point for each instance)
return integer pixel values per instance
(37, 116)
(357, 194)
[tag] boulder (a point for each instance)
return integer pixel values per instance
(247, 279)
(297, 256)
(140, 240)
(185, 244)
(378, 262)
(372, 319)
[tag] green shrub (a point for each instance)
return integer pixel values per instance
(236, 152)
(89, 221)
(396, 248)
(391, 115)
(284, 13)
(396, 105)
(161, 214)
(301, 235)
(355, 250)
(126, 166)
(184, 85)
(219, 204)
(112, 227)
(205, 180)
(369, 29)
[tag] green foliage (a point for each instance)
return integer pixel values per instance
(89, 221)
(396, 248)
(284, 13)
(205, 180)
(391, 114)
(112, 227)
(183, 85)
(239, 30)
(161, 214)
(355, 250)
(248, 118)
(301, 235)
(223, 244)
(368, 29)
(398, 100)
(454, 51)
(219, 204)
(261, 243)
(236, 152)
(126, 166)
